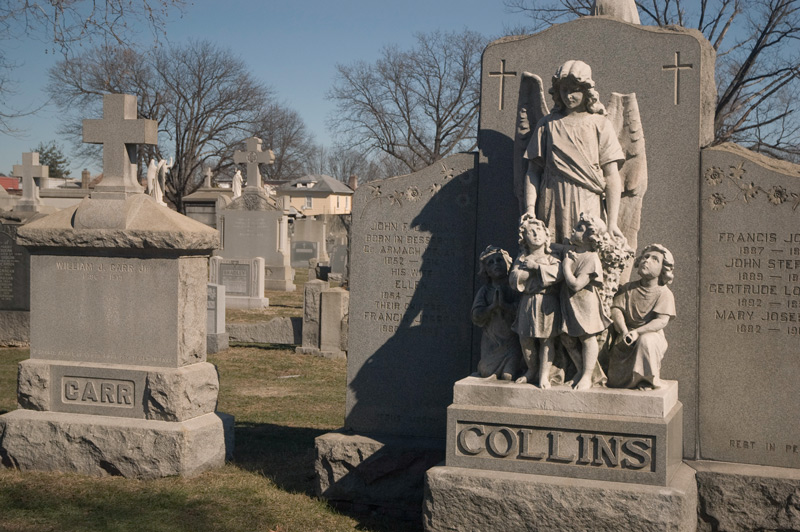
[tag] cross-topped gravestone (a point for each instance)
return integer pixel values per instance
(207, 182)
(252, 156)
(119, 131)
(29, 169)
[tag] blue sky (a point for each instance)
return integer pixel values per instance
(292, 46)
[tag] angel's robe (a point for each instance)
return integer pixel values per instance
(573, 152)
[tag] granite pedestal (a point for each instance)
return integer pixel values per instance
(510, 441)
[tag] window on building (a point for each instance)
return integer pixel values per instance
(309, 203)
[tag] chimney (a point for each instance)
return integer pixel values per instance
(353, 181)
(86, 177)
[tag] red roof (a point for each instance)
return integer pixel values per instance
(10, 183)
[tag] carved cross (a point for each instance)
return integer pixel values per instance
(252, 156)
(119, 131)
(29, 169)
(502, 74)
(207, 183)
(677, 67)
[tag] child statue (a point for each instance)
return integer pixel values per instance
(494, 310)
(584, 317)
(640, 311)
(536, 274)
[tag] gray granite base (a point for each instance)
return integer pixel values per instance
(469, 499)
(370, 473)
(274, 331)
(246, 302)
(216, 342)
(15, 328)
(100, 446)
(741, 497)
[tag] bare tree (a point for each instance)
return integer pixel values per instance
(205, 100)
(63, 24)
(416, 106)
(758, 78)
(285, 133)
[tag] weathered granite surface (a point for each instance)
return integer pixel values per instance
(137, 222)
(464, 499)
(15, 328)
(100, 446)
(739, 497)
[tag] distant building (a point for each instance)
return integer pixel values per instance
(318, 194)
(11, 184)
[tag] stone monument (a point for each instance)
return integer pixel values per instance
(204, 203)
(117, 382)
(243, 280)
(254, 225)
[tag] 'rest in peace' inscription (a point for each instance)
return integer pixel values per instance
(749, 311)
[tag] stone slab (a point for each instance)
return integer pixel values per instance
(101, 446)
(280, 330)
(217, 342)
(312, 305)
(15, 328)
(164, 394)
(589, 446)
(410, 336)
(468, 499)
(215, 309)
(625, 58)
(15, 264)
(749, 308)
(369, 472)
(739, 497)
(137, 322)
(333, 323)
(637, 403)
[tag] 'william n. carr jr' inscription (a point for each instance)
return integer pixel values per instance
(749, 310)
(134, 293)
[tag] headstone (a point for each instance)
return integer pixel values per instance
(334, 322)
(14, 284)
(117, 382)
(339, 257)
(409, 334)
(216, 336)
(243, 281)
(312, 301)
(749, 308)
(308, 242)
(254, 225)
(29, 169)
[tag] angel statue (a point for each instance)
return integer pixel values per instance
(237, 184)
(569, 160)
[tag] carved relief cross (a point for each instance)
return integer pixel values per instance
(677, 67)
(502, 74)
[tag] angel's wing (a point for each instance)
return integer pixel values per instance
(623, 111)
(531, 107)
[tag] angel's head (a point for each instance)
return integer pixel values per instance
(571, 77)
(656, 261)
(494, 263)
(533, 234)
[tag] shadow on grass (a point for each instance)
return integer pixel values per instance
(50, 507)
(284, 454)
(265, 347)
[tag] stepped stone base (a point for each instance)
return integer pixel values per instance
(100, 446)
(470, 499)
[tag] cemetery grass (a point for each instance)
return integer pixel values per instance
(281, 401)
